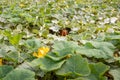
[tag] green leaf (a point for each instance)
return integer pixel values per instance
(30, 19)
(80, 78)
(100, 45)
(7, 33)
(47, 64)
(14, 40)
(115, 73)
(10, 53)
(113, 37)
(4, 70)
(15, 20)
(19, 74)
(33, 43)
(64, 44)
(91, 52)
(17, 57)
(96, 49)
(45, 33)
(13, 56)
(25, 65)
(23, 56)
(64, 52)
(63, 49)
(2, 53)
(97, 71)
(58, 56)
(75, 66)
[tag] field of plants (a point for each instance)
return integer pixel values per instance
(59, 39)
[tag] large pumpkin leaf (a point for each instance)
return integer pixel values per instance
(4, 49)
(37, 70)
(47, 64)
(98, 44)
(13, 56)
(63, 49)
(25, 65)
(91, 52)
(19, 74)
(64, 44)
(4, 70)
(75, 66)
(32, 43)
(57, 56)
(2, 53)
(115, 73)
(80, 78)
(111, 37)
(96, 49)
(10, 52)
(115, 39)
(97, 71)
(17, 57)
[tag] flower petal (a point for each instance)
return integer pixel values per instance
(35, 54)
(40, 55)
(1, 62)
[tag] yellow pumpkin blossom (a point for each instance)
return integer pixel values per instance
(41, 52)
(0, 62)
(22, 5)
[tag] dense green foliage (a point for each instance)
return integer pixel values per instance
(90, 50)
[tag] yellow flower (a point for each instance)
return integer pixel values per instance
(41, 52)
(0, 61)
(22, 5)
